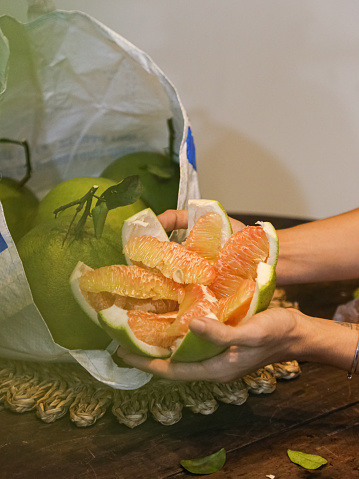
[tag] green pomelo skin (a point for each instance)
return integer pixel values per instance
(48, 266)
(20, 206)
(74, 189)
(160, 194)
(193, 349)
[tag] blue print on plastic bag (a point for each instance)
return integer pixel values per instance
(3, 244)
(191, 150)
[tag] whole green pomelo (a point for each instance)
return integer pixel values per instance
(158, 173)
(48, 265)
(20, 206)
(76, 188)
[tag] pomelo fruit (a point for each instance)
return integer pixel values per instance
(20, 207)
(252, 293)
(158, 173)
(19, 203)
(73, 189)
(48, 264)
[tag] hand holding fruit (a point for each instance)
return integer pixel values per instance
(265, 338)
(274, 335)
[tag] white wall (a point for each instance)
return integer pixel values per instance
(271, 88)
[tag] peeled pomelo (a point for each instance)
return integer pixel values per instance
(20, 206)
(170, 336)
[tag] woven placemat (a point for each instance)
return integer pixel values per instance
(52, 390)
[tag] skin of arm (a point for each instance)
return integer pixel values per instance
(321, 250)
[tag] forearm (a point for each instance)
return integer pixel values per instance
(322, 250)
(325, 341)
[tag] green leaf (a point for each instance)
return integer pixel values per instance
(205, 465)
(163, 172)
(124, 193)
(308, 461)
(99, 215)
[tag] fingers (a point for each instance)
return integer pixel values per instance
(174, 219)
(166, 369)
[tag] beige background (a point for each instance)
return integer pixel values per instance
(271, 88)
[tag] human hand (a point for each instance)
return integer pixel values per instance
(178, 219)
(269, 336)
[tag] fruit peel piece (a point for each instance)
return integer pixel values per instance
(79, 270)
(193, 348)
(263, 293)
(273, 241)
(114, 321)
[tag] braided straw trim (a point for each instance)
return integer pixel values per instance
(53, 390)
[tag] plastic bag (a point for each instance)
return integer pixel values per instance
(81, 95)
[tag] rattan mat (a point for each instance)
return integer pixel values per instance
(54, 390)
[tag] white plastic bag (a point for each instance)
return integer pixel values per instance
(82, 96)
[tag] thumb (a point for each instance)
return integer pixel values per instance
(214, 331)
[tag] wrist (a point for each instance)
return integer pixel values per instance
(325, 341)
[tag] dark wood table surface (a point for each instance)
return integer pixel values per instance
(317, 413)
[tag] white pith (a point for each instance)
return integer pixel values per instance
(265, 277)
(273, 241)
(144, 222)
(79, 270)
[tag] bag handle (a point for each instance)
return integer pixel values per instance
(36, 8)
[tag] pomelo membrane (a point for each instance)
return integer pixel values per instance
(242, 285)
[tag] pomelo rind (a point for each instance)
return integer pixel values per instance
(193, 348)
(79, 270)
(197, 208)
(114, 321)
(263, 293)
(273, 241)
(144, 222)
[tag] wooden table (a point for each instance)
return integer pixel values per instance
(317, 413)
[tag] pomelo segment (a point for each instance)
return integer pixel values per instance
(115, 321)
(144, 222)
(197, 208)
(130, 281)
(205, 236)
(198, 301)
(239, 259)
(171, 259)
(232, 309)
